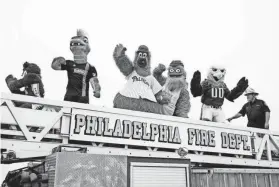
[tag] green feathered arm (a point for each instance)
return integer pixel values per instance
(196, 88)
(238, 90)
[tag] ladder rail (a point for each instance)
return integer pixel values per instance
(54, 128)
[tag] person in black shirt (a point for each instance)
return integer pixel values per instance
(80, 72)
(258, 113)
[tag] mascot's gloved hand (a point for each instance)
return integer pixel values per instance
(57, 62)
(60, 60)
(10, 79)
(119, 51)
(238, 90)
(97, 94)
(196, 80)
(164, 98)
(96, 87)
(242, 83)
(196, 88)
(160, 69)
(197, 76)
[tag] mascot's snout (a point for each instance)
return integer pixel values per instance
(142, 62)
(143, 56)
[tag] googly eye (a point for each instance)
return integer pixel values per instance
(85, 40)
(178, 71)
(144, 55)
(140, 54)
(171, 70)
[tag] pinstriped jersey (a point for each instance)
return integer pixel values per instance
(78, 77)
(213, 93)
(141, 87)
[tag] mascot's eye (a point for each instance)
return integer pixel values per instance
(214, 69)
(178, 71)
(140, 54)
(85, 40)
(171, 70)
(222, 70)
(144, 55)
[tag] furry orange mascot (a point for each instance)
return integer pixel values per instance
(175, 83)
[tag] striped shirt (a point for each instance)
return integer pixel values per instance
(141, 87)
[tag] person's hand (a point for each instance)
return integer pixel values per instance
(229, 119)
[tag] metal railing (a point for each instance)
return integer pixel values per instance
(31, 133)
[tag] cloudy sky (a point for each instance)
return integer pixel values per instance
(240, 35)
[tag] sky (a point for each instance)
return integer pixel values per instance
(241, 35)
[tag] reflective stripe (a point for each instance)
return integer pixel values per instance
(84, 80)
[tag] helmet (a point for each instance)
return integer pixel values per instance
(250, 90)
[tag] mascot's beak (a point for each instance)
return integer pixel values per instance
(219, 76)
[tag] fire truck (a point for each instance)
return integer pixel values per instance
(73, 144)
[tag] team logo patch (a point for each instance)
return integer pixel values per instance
(79, 71)
(135, 78)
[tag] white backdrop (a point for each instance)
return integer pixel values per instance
(240, 35)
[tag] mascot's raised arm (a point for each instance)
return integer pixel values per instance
(213, 91)
(175, 83)
(80, 72)
(31, 82)
(142, 91)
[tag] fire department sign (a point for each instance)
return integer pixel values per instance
(123, 129)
